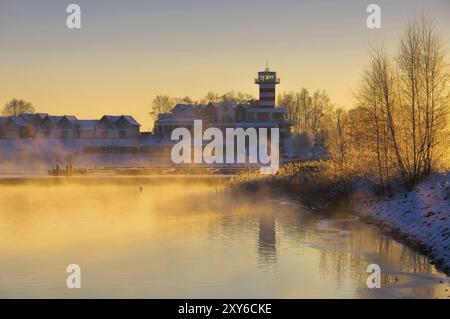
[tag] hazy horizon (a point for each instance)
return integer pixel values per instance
(127, 52)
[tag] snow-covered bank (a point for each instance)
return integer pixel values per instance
(421, 217)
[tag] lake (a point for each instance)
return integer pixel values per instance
(191, 238)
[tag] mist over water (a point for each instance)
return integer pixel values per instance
(157, 238)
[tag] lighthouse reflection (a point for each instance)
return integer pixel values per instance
(267, 242)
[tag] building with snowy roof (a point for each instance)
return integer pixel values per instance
(261, 113)
(41, 125)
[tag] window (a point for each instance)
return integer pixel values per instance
(104, 134)
(122, 134)
(263, 116)
(64, 134)
(227, 119)
(277, 116)
(240, 116)
(266, 77)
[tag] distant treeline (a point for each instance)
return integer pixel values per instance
(308, 112)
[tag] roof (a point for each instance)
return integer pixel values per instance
(28, 117)
(23, 119)
(53, 119)
(223, 103)
(17, 120)
(42, 115)
(183, 107)
(31, 116)
(72, 119)
(187, 111)
(131, 120)
(113, 119)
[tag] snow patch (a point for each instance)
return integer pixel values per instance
(422, 215)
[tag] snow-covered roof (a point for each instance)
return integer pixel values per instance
(184, 107)
(17, 120)
(23, 119)
(223, 103)
(53, 119)
(113, 119)
(41, 115)
(187, 111)
(31, 116)
(131, 120)
(72, 119)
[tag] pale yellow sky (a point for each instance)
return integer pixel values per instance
(128, 51)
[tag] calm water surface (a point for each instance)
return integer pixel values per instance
(137, 239)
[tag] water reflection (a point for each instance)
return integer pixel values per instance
(267, 242)
(192, 239)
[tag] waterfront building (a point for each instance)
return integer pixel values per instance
(44, 126)
(260, 113)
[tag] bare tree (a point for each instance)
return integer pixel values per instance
(434, 100)
(184, 100)
(424, 95)
(376, 99)
(337, 140)
(237, 97)
(320, 106)
(210, 97)
(17, 107)
(290, 102)
(305, 102)
(405, 103)
(234, 96)
(306, 111)
(161, 104)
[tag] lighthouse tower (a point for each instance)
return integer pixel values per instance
(267, 80)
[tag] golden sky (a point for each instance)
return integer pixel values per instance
(128, 51)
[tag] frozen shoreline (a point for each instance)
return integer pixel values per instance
(421, 217)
